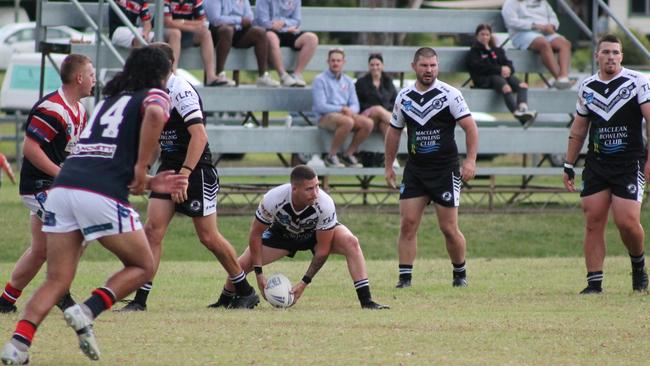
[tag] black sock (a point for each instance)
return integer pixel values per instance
(363, 290)
(638, 262)
(242, 288)
(459, 270)
(595, 279)
(101, 299)
(405, 272)
(142, 293)
(65, 302)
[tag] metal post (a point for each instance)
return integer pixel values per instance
(16, 11)
(159, 29)
(98, 42)
(594, 40)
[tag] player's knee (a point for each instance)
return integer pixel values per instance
(449, 230)
(154, 234)
(408, 228)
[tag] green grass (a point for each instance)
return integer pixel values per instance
(521, 307)
(515, 312)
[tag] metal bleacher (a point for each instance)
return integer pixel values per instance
(249, 99)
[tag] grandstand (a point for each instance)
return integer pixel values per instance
(495, 138)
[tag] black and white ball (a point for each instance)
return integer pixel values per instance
(278, 291)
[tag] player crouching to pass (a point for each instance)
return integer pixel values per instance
(297, 216)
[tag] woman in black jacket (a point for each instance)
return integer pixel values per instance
(490, 69)
(376, 93)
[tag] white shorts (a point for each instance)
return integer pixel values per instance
(35, 203)
(95, 215)
(522, 40)
(123, 37)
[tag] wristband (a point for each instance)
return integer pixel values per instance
(306, 279)
(188, 168)
(258, 270)
(568, 170)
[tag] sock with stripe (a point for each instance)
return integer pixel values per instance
(225, 298)
(638, 262)
(24, 334)
(10, 295)
(405, 272)
(363, 290)
(142, 293)
(101, 299)
(595, 279)
(65, 302)
(459, 270)
(242, 287)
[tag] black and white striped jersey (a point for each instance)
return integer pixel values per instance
(277, 211)
(613, 109)
(430, 119)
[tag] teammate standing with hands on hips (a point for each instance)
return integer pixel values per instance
(610, 111)
(430, 110)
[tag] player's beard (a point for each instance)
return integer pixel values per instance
(427, 84)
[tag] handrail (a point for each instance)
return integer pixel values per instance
(95, 28)
(635, 40)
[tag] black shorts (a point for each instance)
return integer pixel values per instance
(442, 186)
(288, 39)
(624, 179)
(201, 192)
(236, 37)
(187, 40)
(273, 240)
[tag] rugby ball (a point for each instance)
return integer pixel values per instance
(278, 291)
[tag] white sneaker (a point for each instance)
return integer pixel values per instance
(11, 355)
(223, 80)
(300, 82)
(316, 161)
(266, 80)
(83, 325)
(287, 80)
(563, 83)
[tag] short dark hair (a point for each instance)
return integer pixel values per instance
(610, 38)
(165, 48)
(335, 50)
(302, 173)
(71, 65)
(424, 52)
(377, 56)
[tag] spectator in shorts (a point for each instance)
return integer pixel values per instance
(533, 25)
(231, 24)
(188, 17)
(337, 108)
(491, 69)
(122, 36)
(281, 19)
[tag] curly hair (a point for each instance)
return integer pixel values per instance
(146, 67)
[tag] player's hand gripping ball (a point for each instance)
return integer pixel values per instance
(278, 291)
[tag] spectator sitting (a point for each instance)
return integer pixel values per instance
(231, 24)
(532, 24)
(281, 19)
(188, 17)
(337, 108)
(376, 93)
(122, 36)
(490, 68)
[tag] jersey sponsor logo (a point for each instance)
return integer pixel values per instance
(589, 98)
(49, 218)
(97, 228)
(407, 105)
(610, 140)
(106, 151)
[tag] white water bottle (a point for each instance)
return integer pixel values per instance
(288, 121)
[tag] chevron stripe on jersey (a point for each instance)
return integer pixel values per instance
(613, 108)
(423, 107)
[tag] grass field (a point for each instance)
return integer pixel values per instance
(521, 307)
